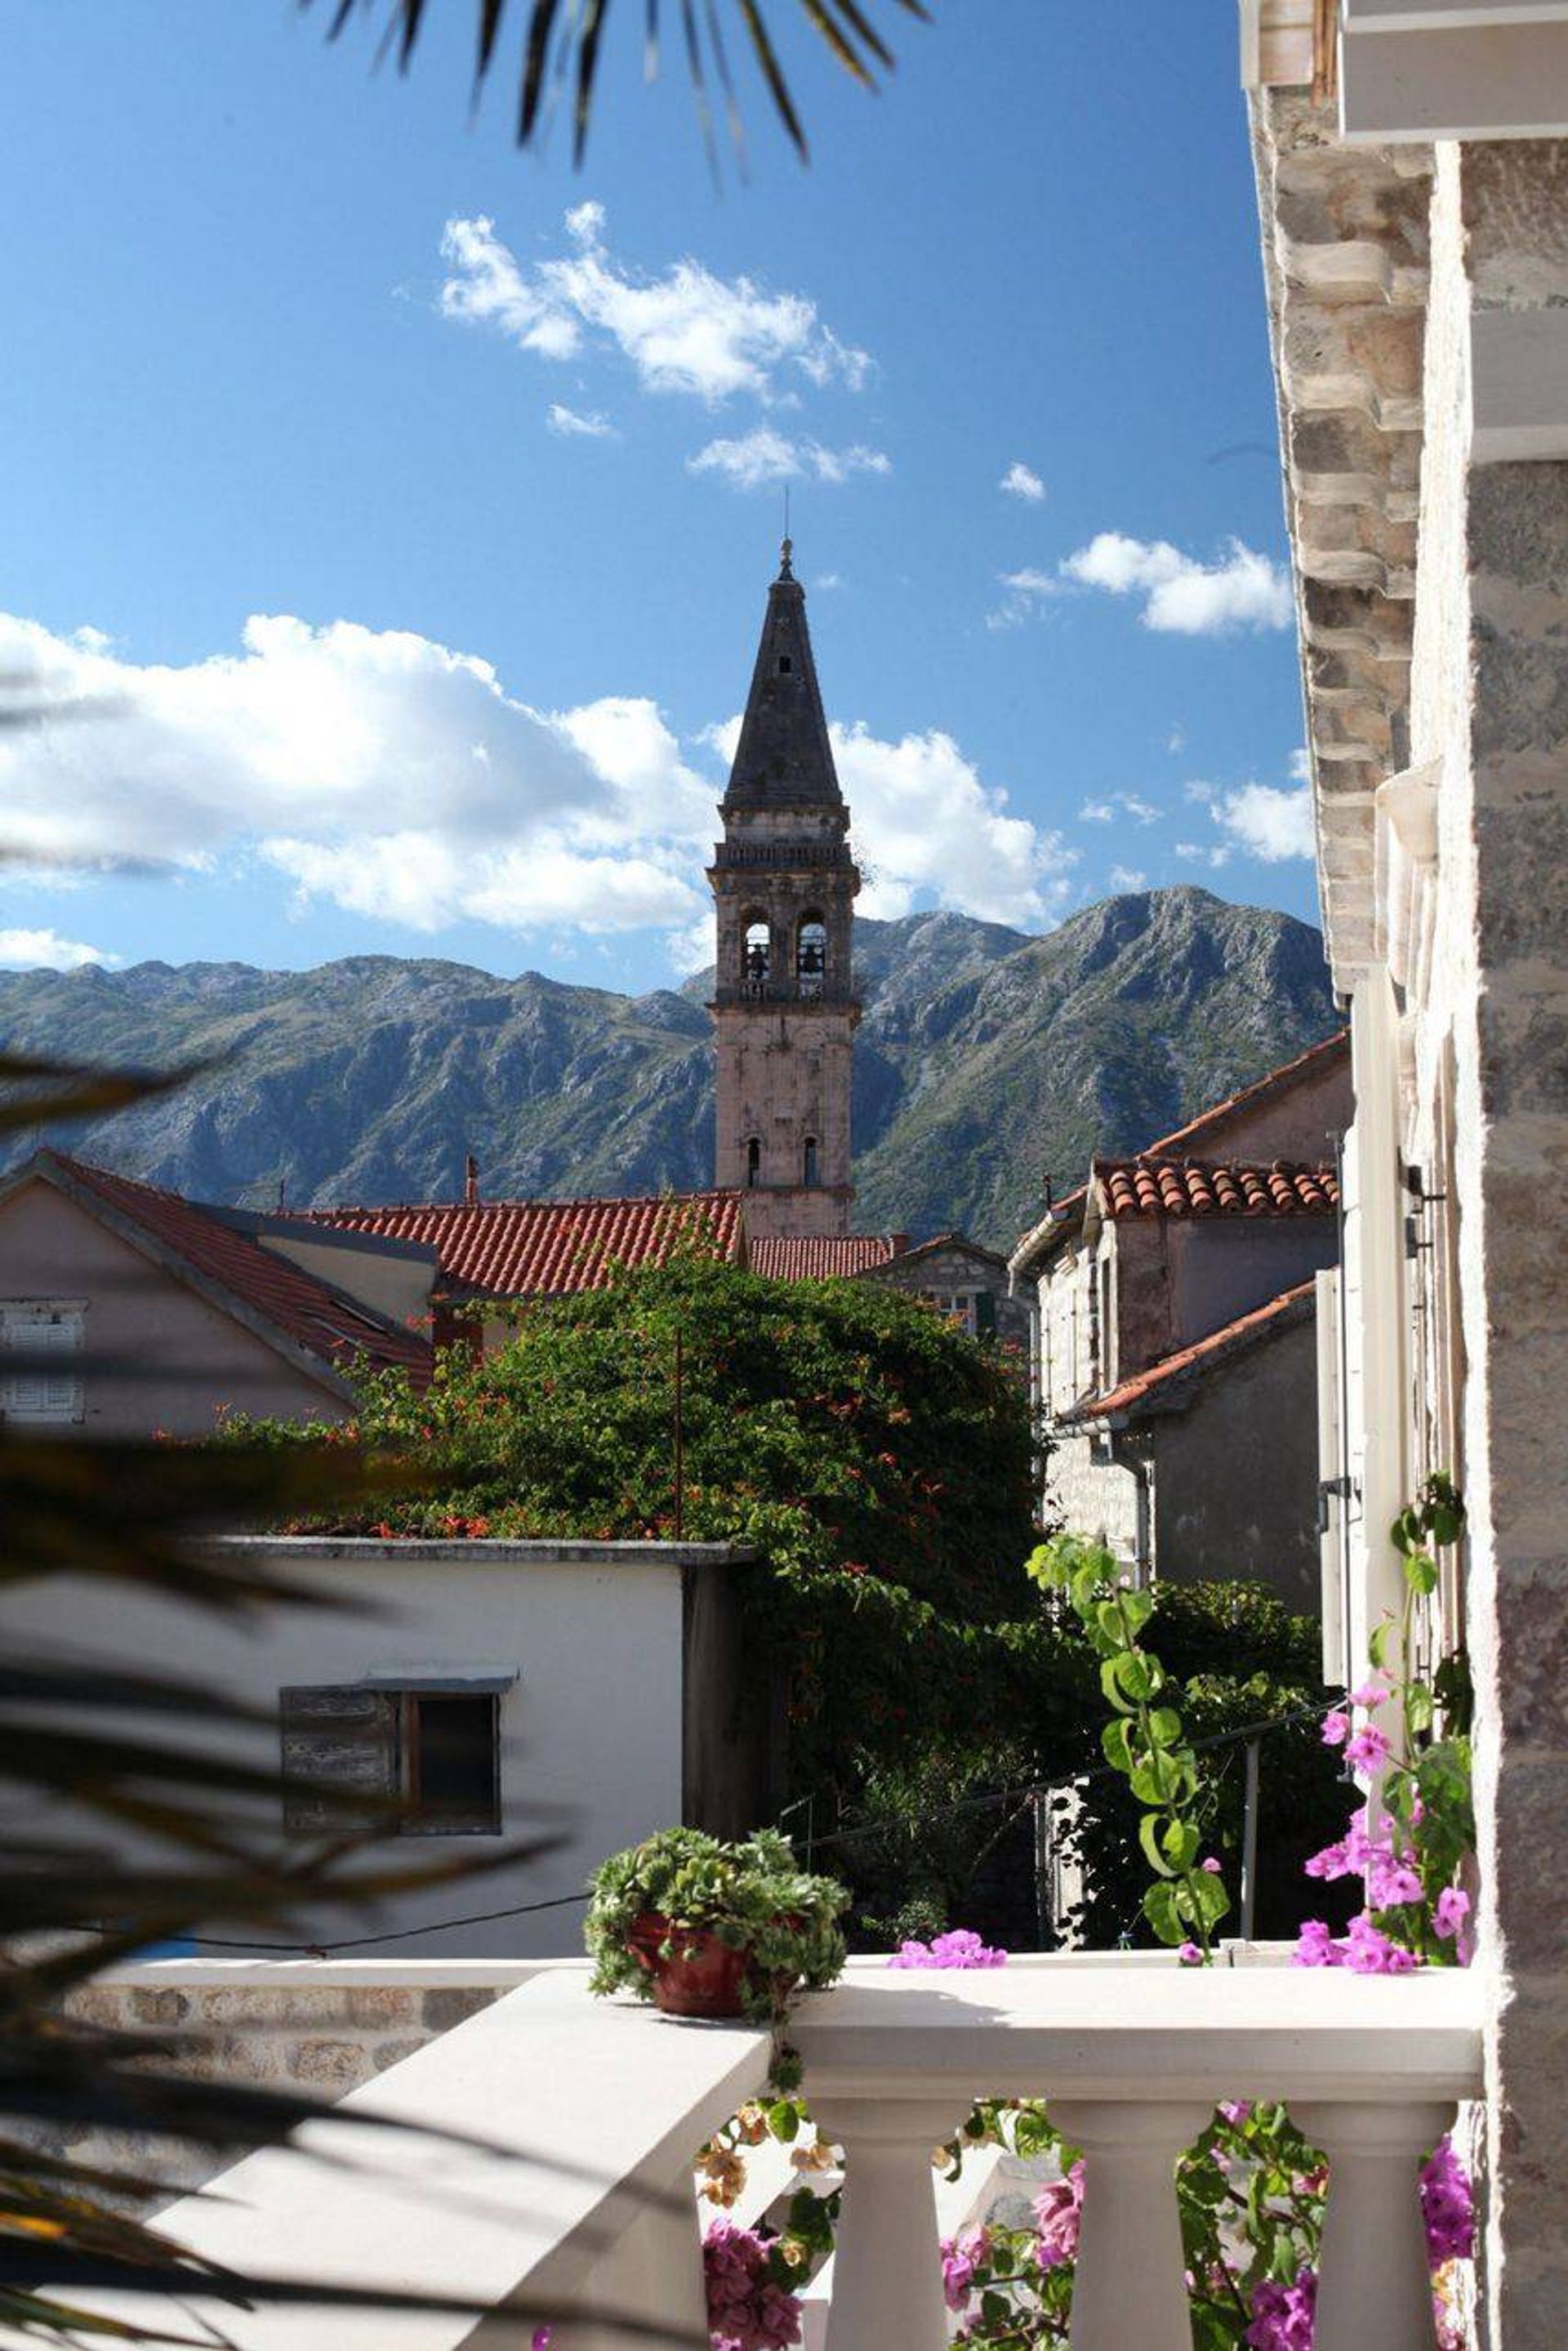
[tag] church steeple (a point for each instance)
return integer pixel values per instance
(784, 758)
(784, 883)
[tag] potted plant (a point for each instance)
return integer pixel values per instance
(705, 1928)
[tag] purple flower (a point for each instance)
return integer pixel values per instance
(1368, 1751)
(1190, 1956)
(1447, 2206)
(1211, 1865)
(746, 2311)
(1333, 1860)
(1283, 2314)
(961, 1946)
(1315, 1946)
(1368, 1952)
(1373, 1691)
(1389, 1883)
(1335, 1728)
(962, 2256)
(1058, 2210)
(1453, 1907)
(1236, 2111)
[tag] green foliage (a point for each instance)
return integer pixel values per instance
(753, 1896)
(1143, 1739)
(878, 1460)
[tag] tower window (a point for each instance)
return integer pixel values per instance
(753, 1163)
(785, 664)
(756, 952)
(809, 1170)
(810, 954)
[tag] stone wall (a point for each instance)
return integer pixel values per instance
(322, 2027)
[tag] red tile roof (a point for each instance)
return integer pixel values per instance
(548, 1249)
(268, 1287)
(824, 1256)
(1161, 1380)
(1151, 1186)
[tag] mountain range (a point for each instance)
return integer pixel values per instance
(987, 1062)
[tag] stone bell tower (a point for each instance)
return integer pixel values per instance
(784, 884)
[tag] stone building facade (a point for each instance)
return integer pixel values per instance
(1415, 254)
(784, 1010)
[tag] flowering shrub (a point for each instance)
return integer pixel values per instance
(1412, 1842)
(960, 1948)
(750, 2305)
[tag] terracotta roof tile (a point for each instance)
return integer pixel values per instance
(824, 1256)
(310, 1312)
(1205, 1355)
(549, 1248)
(1151, 1186)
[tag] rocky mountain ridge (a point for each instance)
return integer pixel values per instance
(987, 1060)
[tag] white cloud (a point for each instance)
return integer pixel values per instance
(825, 581)
(1182, 597)
(1176, 741)
(402, 781)
(1021, 481)
(377, 769)
(1267, 822)
(1213, 854)
(1026, 591)
(1128, 877)
(757, 460)
(35, 950)
(687, 331)
(571, 425)
(1129, 804)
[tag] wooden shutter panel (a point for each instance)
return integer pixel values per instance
(339, 1739)
(984, 1314)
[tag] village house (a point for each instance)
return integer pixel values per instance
(1174, 1334)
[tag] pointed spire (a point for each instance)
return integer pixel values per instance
(784, 758)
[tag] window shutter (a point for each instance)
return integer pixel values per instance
(339, 1741)
(1332, 1484)
(984, 1314)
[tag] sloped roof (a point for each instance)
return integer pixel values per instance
(784, 758)
(1067, 1214)
(824, 1256)
(549, 1248)
(910, 1254)
(1162, 1384)
(1151, 1186)
(211, 1246)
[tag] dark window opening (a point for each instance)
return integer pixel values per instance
(451, 1778)
(811, 1174)
(753, 1163)
(785, 665)
(810, 954)
(756, 952)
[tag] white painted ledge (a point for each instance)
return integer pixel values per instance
(1423, 69)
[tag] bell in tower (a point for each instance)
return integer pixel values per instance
(784, 884)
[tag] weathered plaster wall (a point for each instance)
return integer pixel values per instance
(1092, 1496)
(1236, 1474)
(595, 1748)
(189, 1356)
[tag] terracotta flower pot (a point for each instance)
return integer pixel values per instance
(703, 1977)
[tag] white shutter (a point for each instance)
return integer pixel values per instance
(35, 1327)
(1332, 1483)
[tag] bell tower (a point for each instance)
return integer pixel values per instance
(784, 884)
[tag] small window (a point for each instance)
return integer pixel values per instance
(451, 1764)
(433, 1755)
(809, 1173)
(40, 1330)
(753, 1163)
(785, 665)
(756, 952)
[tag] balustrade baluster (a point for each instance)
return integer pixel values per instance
(886, 2264)
(1130, 2288)
(1374, 2286)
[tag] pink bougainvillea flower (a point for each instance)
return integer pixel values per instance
(1369, 1952)
(1211, 1865)
(1315, 1946)
(1335, 1728)
(961, 1946)
(1448, 2205)
(1190, 1956)
(746, 2311)
(1236, 2111)
(1373, 1691)
(1368, 1751)
(1453, 1907)
(1282, 2316)
(1391, 1883)
(1333, 1860)
(962, 2256)
(1058, 2210)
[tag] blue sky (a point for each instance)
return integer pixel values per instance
(409, 539)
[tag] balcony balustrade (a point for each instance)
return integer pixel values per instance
(564, 2186)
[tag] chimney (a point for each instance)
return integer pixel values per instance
(471, 1182)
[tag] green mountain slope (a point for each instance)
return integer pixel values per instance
(986, 1061)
